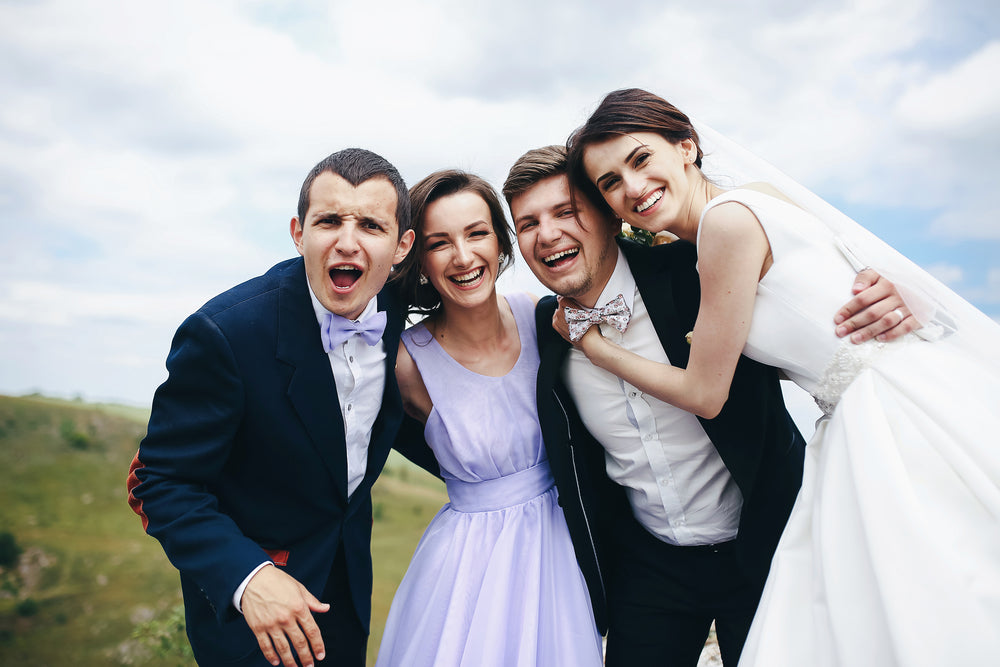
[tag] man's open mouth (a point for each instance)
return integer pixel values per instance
(558, 258)
(344, 276)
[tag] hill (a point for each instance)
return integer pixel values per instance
(80, 583)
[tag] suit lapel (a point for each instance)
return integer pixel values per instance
(312, 390)
(391, 410)
(552, 353)
(654, 282)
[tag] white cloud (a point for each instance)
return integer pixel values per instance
(151, 154)
(962, 101)
(949, 274)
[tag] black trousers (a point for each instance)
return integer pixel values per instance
(662, 600)
(344, 637)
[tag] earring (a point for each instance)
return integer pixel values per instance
(422, 279)
(502, 258)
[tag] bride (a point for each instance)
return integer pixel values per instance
(892, 553)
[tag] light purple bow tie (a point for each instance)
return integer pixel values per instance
(614, 312)
(337, 329)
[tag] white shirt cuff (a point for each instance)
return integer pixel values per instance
(238, 595)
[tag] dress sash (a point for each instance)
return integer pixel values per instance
(495, 494)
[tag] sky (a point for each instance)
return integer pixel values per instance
(151, 153)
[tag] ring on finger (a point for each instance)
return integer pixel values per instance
(899, 311)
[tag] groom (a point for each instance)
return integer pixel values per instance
(277, 416)
(674, 518)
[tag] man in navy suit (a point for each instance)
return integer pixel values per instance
(278, 413)
(674, 518)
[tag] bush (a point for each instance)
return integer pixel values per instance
(165, 636)
(73, 437)
(9, 550)
(27, 607)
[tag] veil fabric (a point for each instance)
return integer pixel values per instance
(940, 310)
(890, 554)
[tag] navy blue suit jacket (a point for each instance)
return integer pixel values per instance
(754, 434)
(245, 456)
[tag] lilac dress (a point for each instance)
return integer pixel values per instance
(494, 580)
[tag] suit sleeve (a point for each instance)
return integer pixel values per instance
(410, 443)
(192, 429)
(544, 310)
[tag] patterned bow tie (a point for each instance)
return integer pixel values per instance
(615, 313)
(337, 329)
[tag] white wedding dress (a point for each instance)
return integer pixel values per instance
(891, 555)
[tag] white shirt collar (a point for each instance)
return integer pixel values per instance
(621, 282)
(321, 311)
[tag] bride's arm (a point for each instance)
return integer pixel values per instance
(732, 253)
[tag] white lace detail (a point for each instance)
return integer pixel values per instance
(847, 363)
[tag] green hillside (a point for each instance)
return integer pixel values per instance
(80, 583)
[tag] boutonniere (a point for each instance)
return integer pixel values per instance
(688, 336)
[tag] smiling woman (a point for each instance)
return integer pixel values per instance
(447, 189)
(494, 580)
(900, 448)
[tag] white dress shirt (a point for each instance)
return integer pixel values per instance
(359, 370)
(676, 482)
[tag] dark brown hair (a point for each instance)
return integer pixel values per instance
(624, 112)
(357, 165)
(424, 298)
(532, 168)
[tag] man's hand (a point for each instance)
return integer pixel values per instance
(877, 311)
(278, 610)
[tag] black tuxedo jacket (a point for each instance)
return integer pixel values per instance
(245, 456)
(754, 434)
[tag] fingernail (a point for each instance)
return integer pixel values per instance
(321, 656)
(880, 338)
(859, 286)
(841, 332)
(838, 319)
(856, 338)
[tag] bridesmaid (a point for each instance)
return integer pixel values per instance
(494, 580)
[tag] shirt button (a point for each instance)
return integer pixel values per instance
(647, 437)
(350, 359)
(348, 407)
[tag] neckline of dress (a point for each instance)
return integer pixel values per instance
(520, 354)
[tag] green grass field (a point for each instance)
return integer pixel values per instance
(88, 578)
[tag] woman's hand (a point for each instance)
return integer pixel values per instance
(591, 338)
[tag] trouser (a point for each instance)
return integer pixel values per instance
(663, 598)
(344, 637)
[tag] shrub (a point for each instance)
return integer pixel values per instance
(165, 636)
(27, 607)
(9, 550)
(73, 437)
